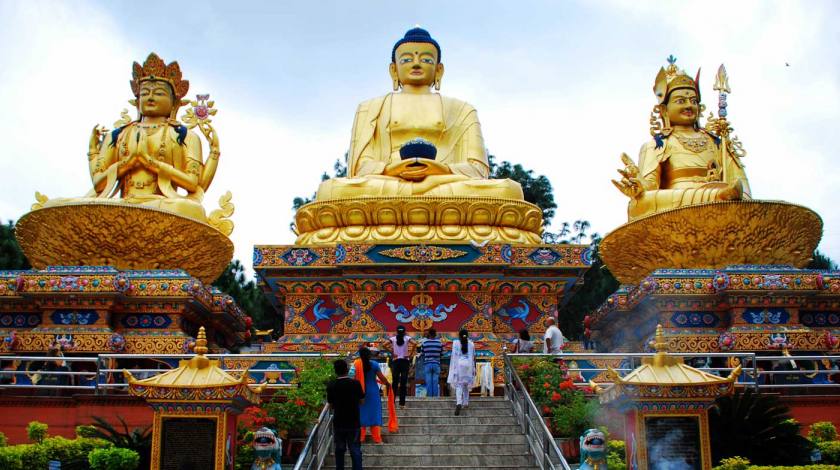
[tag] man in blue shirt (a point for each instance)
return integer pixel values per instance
(432, 349)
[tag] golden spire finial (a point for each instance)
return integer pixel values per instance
(201, 342)
(200, 361)
(660, 345)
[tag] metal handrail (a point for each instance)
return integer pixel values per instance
(318, 443)
(540, 441)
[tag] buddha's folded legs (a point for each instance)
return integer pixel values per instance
(663, 199)
(436, 185)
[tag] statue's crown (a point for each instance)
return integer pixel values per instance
(154, 68)
(671, 78)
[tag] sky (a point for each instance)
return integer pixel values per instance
(561, 87)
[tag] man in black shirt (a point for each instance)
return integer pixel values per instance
(344, 396)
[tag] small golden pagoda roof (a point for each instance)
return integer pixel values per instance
(666, 376)
(194, 379)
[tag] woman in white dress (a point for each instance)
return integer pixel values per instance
(462, 370)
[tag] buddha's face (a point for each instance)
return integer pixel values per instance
(417, 64)
(155, 98)
(683, 108)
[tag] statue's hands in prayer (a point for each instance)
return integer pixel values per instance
(416, 169)
(630, 183)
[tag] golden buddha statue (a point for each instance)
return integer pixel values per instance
(684, 164)
(147, 160)
(134, 217)
(690, 205)
(378, 167)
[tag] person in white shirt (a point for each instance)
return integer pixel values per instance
(553, 339)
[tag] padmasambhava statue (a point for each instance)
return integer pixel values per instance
(690, 204)
(684, 164)
(417, 143)
(134, 216)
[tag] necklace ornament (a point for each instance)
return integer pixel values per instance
(693, 144)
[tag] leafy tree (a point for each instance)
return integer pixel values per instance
(11, 256)
(820, 261)
(758, 427)
(590, 292)
(248, 295)
(537, 189)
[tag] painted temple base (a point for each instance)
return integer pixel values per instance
(713, 236)
(419, 219)
(337, 298)
(129, 237)
(99, 309)
(739, 308)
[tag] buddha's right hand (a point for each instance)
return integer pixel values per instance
(95, 143)
(630, 183)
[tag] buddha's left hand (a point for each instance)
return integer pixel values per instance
(417, 169)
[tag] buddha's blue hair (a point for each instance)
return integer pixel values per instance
(660, 140)
(182, 133)
(415, 35)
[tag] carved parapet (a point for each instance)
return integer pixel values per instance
(418, 219)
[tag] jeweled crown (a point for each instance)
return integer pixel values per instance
(671, 78)
(154, 68)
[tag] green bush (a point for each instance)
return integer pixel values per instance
(114, 458)
(86, 430)
(822, 431)
(615, 462)
(830, 451)
(72, 453)
(733, 463)
(3, 441)
(33, 456)
(11, 458)
(36, 431)
(616, 447)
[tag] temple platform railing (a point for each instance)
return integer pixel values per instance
(545, 450)
(103, 374)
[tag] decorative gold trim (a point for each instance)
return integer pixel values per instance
(124, 236)
(429, 219)
(713, 236)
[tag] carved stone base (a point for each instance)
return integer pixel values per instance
(123, 236)
(418, 219)
(711, 236)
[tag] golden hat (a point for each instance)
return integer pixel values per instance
(671, 78)
(154, 68)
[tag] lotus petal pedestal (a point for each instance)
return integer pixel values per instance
(418, 219)
(712, 236)
(123, 236)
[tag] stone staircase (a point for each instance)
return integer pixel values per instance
(485, 435)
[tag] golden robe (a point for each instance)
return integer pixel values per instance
(375, 144)
(673, 176)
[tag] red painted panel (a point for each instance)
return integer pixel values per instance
(63, 414)
(446, 310)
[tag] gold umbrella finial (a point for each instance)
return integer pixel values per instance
(201, 342)
(660, 345)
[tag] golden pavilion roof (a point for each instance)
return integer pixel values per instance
(195, 379)
(664, 376)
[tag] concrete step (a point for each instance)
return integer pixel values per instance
(509, 436)
(456, 421)
(424, 461)
(467, 427)
(367, 466)
(441, 412)
(448, 448)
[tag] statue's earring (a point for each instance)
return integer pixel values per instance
(437, 84)
(396, 84)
